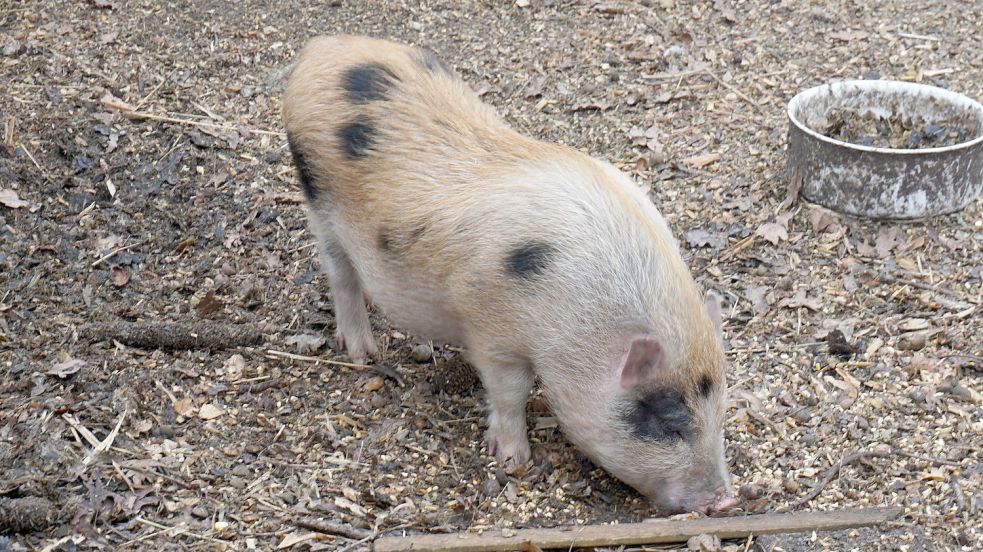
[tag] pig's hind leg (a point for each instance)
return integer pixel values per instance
(354, 331)
(507, 381)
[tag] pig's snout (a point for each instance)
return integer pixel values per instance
(708, 503)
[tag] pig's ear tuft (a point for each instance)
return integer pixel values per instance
(713, 309)
(645, 359)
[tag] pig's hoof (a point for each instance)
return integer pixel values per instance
(512, 453)
(359, 350)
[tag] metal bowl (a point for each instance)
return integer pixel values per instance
(878, 182)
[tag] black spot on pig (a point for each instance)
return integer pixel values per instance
(356, 137)
(660, 415)
(529, 260)
(365, 83)
(705, 386)
(335, 252)
(385, 241)
(399, 242)
(303, 170)
(432, 62)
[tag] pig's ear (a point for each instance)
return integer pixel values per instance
(645, 358)
(713, 309)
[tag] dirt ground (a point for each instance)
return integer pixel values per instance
(198, 221)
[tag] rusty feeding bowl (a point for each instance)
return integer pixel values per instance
(886, 149)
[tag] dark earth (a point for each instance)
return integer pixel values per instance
(144, 178)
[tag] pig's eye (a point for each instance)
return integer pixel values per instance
(660, 415)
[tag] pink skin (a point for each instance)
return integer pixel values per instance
(707, 503)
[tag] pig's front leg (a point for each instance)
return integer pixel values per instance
(507, 381)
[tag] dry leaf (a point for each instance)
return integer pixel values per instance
(184, 407)
(120, 275)
(527, 546)
(9, 198)
(305, 343)
(800, 300)
(822, 220)
(374, 384)
(208, 304)
(295, 538)
(772, 232)
(914, 324)
(756, 294)
(700, 161)
(67, 368)
(234, 366)
(209, 411)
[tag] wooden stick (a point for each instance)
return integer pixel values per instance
(173, 335)
(652, 532)
(131, 112)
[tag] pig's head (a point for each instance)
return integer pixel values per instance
(667, 411)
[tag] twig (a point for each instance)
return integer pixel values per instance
(650, 532)
(835, 469)
(131, 112)
(316, 360)
(154, 91)
(730, 87)
(937, 461)
(181, 531)
(35, 161)
(174, 335)
(737, 247)
(332, 528)
(113, 253)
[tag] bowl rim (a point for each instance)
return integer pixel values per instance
(883, 85)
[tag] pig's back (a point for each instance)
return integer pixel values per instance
(459, 228)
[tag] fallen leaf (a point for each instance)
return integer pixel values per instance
(772, 232)
(701, 237)
(700, 161)
(234, 366)
(67, 368)
(535, 87)
(800, 300)
(120, 275)
(704, 543)
(822, 220)
(208, 304)
(9, 198)
(374, 384)
(183, 407)
(343, 502)
(756, 295)
(306, 343)
(914, 324)
(528, 546)
(295, 538)
(887, 239)
(209, 411)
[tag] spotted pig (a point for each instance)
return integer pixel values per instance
(542, 262)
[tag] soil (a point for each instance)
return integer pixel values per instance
(895, 131)
(190, 214)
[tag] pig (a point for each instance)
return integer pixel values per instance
(542, 262)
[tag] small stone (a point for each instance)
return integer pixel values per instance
(422, 352)
(199, 512)
(751, 491)
(912, 341)
(491, 488)
(11, 48)
(704, 543)
(288, 498)
(253, 448)
(420, 422)
(790, 486)
(242, 470)
(237, 482)
(378, 401)
(374, 384)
